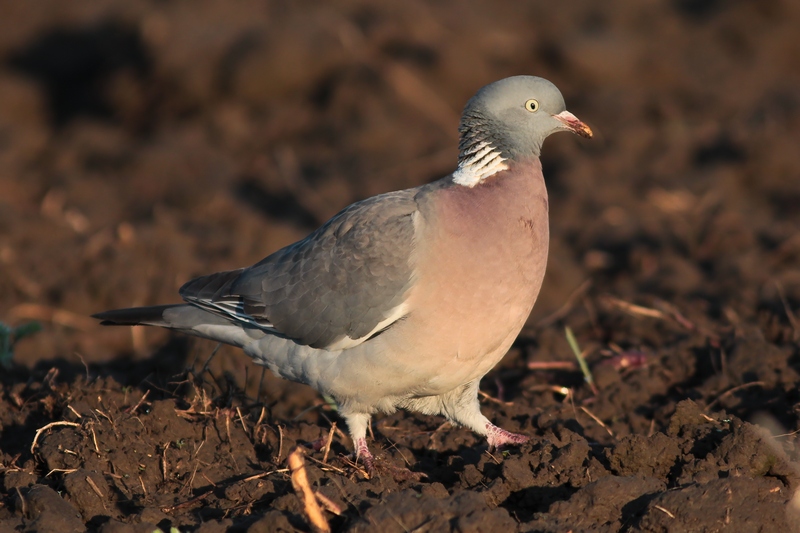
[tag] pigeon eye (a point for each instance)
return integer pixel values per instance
(532, 105)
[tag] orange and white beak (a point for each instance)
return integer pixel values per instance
(571, 123)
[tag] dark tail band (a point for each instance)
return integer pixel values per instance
(135, 316)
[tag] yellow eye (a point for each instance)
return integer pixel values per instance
(532, 105)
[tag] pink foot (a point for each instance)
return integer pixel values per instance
(499, 437)
(363, 453)
(318, 444)
(375, 467)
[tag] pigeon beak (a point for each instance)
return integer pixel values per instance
(571, 123)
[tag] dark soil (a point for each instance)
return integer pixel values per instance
(143, 143)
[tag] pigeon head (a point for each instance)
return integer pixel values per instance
(507, 120)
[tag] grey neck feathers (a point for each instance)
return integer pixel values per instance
(481, 154)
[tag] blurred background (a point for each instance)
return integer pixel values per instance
(143, 143)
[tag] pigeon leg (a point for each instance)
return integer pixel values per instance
(462, 406)
(357, 424)
(363, 453)
(499, 437)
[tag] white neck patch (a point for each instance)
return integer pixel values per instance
(481, 161)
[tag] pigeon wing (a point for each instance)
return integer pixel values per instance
(344, 283)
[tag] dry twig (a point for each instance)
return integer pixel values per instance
(264, 474)
(241, 419)
(48, 426)
(328, 443)
(596, 419)
(95, 488)
(556, 389)
(328, 504)
(94, 440)
(303, 489)
(633, 309)
(666, 512)
(552, 365)
(492, 399)
(325, 466)
(565, 309)
(140, 402)
(277, 458)
(731, 391)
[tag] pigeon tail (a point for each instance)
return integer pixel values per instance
(137, 316)
(186, 318)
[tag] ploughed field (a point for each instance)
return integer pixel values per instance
(142, 144)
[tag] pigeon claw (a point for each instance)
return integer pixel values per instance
(499, 437)
(366, 457)
(377, 468)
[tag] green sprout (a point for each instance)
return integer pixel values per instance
(330, 402)
(573, 343)
(10, 336)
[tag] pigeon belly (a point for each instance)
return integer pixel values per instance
(483, 264)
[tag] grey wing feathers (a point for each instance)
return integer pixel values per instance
(338, 284)
(214, 293)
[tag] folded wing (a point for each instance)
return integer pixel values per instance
(341, 285)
